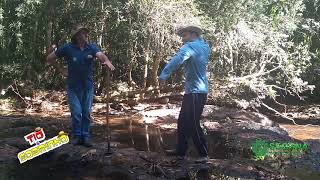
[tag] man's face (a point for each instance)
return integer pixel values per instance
(186, 37)
(83, 36)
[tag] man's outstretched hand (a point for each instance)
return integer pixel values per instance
(64, 72)
(107, 64)
(162, 83)
(51, 48)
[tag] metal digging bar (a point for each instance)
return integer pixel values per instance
(107, 115)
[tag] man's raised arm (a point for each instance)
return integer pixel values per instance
(104, 60)
(184, 54)
(52, 60)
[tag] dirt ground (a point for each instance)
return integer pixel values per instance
(139, 136)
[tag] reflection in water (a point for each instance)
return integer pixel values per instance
(160, 137)
(151, 138)
(130, 131)
(147, 138)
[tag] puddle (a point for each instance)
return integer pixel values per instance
(150, 138)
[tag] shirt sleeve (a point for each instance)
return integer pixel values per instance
(62, 51)
(95, 49)
(183, 55)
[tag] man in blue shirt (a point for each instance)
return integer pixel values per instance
(79, 55)
(193, 56)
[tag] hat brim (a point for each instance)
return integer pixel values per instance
(78, 30)
(189, 29)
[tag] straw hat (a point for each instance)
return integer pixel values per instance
(77, 29)
(195, 29)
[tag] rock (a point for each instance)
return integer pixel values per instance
(90, 155)
(132, 103)
(212, 125)
(46, 106)
(242, 103)
(91, 152)
(54, 127)
(117, 106)
(163, 100)
(118, 172)
(18, 131)
(98, 99)
(208, 110)
(8, 154)
(119, 159)
(314, 112)
(16, 142)
(290, 115)
(114, 144)
(56, 96)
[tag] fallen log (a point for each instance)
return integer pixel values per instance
(132, 94)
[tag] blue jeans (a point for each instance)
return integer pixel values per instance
(80, 105)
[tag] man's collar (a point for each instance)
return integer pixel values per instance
(197, 39)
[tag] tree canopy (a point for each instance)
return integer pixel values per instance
(268, 47)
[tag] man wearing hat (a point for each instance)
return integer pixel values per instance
(193, 55)
(79, 55)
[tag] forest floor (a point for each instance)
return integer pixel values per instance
(141, 133)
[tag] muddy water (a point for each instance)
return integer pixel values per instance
(150, 138)
(130, 131)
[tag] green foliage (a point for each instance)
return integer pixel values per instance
(265, 46)
(259, 48)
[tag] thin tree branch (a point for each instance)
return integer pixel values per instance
(277, 112)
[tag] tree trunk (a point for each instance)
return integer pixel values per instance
(145, 69)
(102, 26)
(50, 23)
(155, 68)
(231, 60)
(130, 81)
(30, 67)
(130, 52)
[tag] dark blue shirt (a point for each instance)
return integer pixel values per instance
(80, 64)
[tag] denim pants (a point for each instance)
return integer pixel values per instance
(80, 105)
(189, 124)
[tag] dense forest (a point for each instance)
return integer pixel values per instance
(264, 84)
(266, 47)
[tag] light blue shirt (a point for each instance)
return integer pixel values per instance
(194, 57)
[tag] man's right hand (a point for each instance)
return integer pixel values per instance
(64, 72)
(52, 48)
(107, 64)
(162, 83)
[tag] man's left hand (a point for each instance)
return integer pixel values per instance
(162, 83)
(109, 65)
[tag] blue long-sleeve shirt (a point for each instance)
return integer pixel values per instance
(194, 57)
